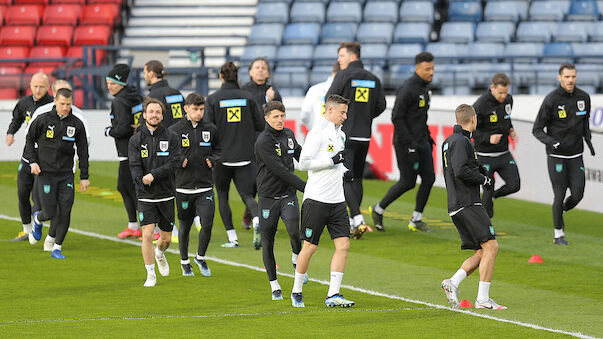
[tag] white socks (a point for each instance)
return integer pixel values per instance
(197, 221)
(256, 222)
(150, 269)
(559, 233)
(232, 235)
(298, 283)
(56, 247)
(133, 225)
(184, 262)
(199, 257)
(335, 283)
(294, 258)
(49, 239)
(458, 277)
(358, 220)
(27, 228)
(417, 216)
(274, 285)
(483, 291)
(379, 209)
(175, 231)
(158, 253)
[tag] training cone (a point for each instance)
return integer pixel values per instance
(465, 304)
(535, 259)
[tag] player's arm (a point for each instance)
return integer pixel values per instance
(402, 130)
(30, 153)
(380, 102)
(297, 149)
(135, 162)
(587, 134)
(480, 135)
(542, 120)
(257, 115)
(459, 158)
(17, 120)
(266, 151)
(173, 162)
(81, 142)
(216, 149)
(309, 158)
(123, 116)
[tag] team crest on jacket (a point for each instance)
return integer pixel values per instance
(508, 108)
(70, 131)
(206, 136)
(581, 105)
(290, 143)
(163, 145)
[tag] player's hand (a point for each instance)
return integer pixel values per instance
(513, 134)
(208, 162)
(148, 179)
(84, 183)
(35, 169)
(413, 157)
(270, 93)
(185, 162)
(10, 139)
(483, 170)
(348, 176)
(338, 158)
(488, 184)
(107, 131)
(495, 138)
(556, 145)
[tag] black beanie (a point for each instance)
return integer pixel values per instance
(119, 74)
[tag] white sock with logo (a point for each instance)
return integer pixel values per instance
(27, 227)
(379, 209)
(335, 283)
(417, 216)
(197, 221)
(358, 220)
(56, 247)
(49, 239)
(256, 222)
(150, 269)
(483, 291)
(298, 283)
(232, 235)
(184, 262)
(175, 231)
(294, 258)
(133, 225)
(158, 253)
(274, 285)
(559, 233)
(458, 277)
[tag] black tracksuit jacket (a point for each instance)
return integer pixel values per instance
(126, 110)
(493, 117)
(409, 115)
(259, 92)
(171, 98)
(24, 109)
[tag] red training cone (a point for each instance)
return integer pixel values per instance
(535, 259)
(465, 304)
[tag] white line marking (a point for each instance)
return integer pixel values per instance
(323, 282)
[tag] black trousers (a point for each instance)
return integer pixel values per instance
(564, 174)
(355, 158)
(25, 188)
(244, 180)
(56, 200)
(507, 169)
(271, 210)
(125, 186)
(408, 175)
(189, 206)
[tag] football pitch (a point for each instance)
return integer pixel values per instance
(393, 276)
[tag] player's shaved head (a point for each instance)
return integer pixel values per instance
(464, 114)
(39, 85)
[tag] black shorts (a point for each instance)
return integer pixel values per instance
(474, 227)
(160, 213)
(315, 215)
(191, 205)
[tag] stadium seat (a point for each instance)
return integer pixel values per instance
(10, 93)
(291, 92)
(583, 10)
(571, 32)
(381, 11)
(265, 34)
(294, 55)
(503, 11)
(290, 77)
(465, 11)
(301, 33)
(457, 32)
(454, 79)
(412, 32)
(596, 33)
(54, 35)
(482, 72)
(272, 12)
(338, 32)
(403, 53)
(91, 35)
(62, 14)
(31, 70)
(589, 53)
(79, 2)
(399, 73)
(78, 52)
(556, 52)
(446, 52)
(24, 15)
(3, 10)
(589, 77)
(320, 74)
(17, 35)
(344, 12)
(535, 31)
(101, 14)
(46, 52)
(373, 32)
(548, 10)
(374, 54)
(495, 31)
(529, 52)
(421, 11)
(10, 77)
(14, 52)
(31, 2)
(485, 50)
(308, 12)
(325, 55)
(253, 51)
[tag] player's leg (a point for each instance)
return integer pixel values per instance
(509, 173)
(185, 204)
(427, 173)
(222, 176)
(165, 210)
(244, 179)
(205, 209)
(125, 187)
(270, 213)
(48, 204)
(353, 190)
(25, 183)
(148, 217)
(52, 232)
(488, 163)
(65, 197)
(336, 226)
(559, 180)
(576, 183)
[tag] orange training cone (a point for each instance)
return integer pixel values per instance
(465, 304)
(535, 259)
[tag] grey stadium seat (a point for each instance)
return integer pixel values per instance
(457, 32)
(344, 12)
(495, 31)
(421, 11)
(411, 32)
(308, 12)
(381, 11)
(265, 34)
(373, 32)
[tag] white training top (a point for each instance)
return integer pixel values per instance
(313, 107)
(325, 180)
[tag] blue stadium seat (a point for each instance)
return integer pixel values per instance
(523, 52)
(465, 11)
(485, 50)
(265, 34)
(483, 72)
(325, 55)
(421, 11)
(307, 12)
(557, 52)
(262, 1)
(272, 12)
(411, 32)
(399, 73)
(344, 12)
(403, 53)
(294, 55)
(589, 77)
(457, 32)
(572, 32)
(320, 74)
(374, 54)
(589, 53)
(548, 10)
(454, 79)
(583, 10)
(381, 11)
(338, 32)
(535, 31)
(600, 5)
(291, 92)
(251, 52)
(373, 32)
(504, 10)
(495, 31)
(596, 34)
(301, 33)
(290, 77)
(445, 52)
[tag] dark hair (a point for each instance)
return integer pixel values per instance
(501, 79)
(423, 57)
(149, 100)
(336, 67)
(230, 73)
(156, 67)
(352, 47)
(263, 59)
(464, 113)
(566, 65)
(195, 99)
(335, 99)
(65, 93)
(274, 105)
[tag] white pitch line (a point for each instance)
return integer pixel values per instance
(349, 287)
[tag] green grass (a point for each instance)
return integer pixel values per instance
(97, 291)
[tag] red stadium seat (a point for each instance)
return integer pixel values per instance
(78, 97)
(30, 2)
(31, 70)
(43, 52)
(92, 35)
(118, 2)
(3, 10)
(17, 35)
(54, 35)
(101, 14)
(6, 2)
(14, 52)
(10, 77)
(78, 52)
(9, 93)
(24, 15)
(78, 2)
(62, 14)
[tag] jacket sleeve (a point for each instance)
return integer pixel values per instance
(380, 101)
(173, 162)
(542, 120)
(401, 130)
(122, 116)
(297, 149)
(135, 163)
(309, 159)
(460, 165)
(216, 149)
(82, 151)
(17, 120)
(510, 118)
(258, 117)
(480, 136)
(337, 85)
(209, 115)
(33, 133)
(277, 95)
(265, 150)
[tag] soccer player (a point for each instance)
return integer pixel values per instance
(126, 109)
(367, 101)
(154, 156)
(565, 113)
(494, 127)
(23, 112)
(238, 117)
(324, 200)
(49, 149)
(413, 144)
(275, 150)
(313, 107)
(463, 176)
(194, 183)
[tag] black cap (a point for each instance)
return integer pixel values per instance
(119, 74)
